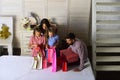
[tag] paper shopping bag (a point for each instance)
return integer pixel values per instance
(50, 55)
(52, 58)
(39, 62)
(44, 64)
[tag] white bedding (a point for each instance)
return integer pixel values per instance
(20, 68)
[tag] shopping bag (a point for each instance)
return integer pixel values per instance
(52, 58)
(69, 55)
(50, 55)
(44, 64)
(37, 64)
(34, 64)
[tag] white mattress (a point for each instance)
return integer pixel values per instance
(20, 68)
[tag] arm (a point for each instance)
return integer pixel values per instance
(31, 45)
(57, 41)
(81, 51)
(81, 56)
(45, 43)
(56, 44)
(42, 44)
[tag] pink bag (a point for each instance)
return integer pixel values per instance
(50, 55)
(69, 55)
(44, 63)
(52, 58)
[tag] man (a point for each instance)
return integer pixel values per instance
(79, 47)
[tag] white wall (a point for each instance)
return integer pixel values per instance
(70, 15)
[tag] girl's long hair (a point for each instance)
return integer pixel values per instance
(44, 21)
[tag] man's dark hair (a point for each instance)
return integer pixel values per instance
(70, 36)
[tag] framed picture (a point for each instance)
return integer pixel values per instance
(7, 21)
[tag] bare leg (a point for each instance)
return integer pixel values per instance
(35, 63)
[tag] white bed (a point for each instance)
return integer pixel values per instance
(20, 68)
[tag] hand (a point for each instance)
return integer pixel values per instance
(35, 45)
(47, 47)
(77, 70)
(40, 54)
(54, 46)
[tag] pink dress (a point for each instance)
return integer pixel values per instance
(37, 41)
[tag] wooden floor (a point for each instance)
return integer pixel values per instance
(101, 75)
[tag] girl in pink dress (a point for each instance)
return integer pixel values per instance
(37, 44)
